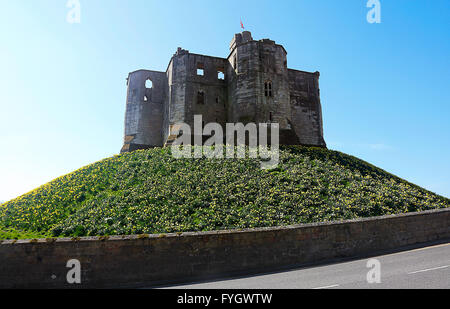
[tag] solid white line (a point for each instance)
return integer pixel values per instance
(429, 269)
(326, 287)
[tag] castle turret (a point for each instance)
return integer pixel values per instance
(144, 110)
(259, 84)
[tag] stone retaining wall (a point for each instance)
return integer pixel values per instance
(133, 261)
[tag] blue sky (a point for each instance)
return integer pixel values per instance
(384, 87)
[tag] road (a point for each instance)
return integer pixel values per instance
(427, 267)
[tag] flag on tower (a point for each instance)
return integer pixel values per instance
(242, 25)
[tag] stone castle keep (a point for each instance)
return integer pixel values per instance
(253, 84)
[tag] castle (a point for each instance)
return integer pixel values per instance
(253, 84)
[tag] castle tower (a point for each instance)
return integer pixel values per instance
(259, 85)
(144, 110)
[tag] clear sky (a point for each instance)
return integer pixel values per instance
(384, 87)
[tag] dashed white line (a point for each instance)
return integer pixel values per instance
(429, 269)
(326, 287)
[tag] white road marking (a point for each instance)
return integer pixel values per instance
(326, 287)
(429, 269)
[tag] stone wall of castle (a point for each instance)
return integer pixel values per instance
(306, 110)
(206, 92)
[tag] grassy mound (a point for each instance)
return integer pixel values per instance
(152, 192)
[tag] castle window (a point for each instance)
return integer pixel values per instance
(145, 98)
(268, 89)
(270, 117)
(200, 97)
(200, 69)
(217, 100)
(148, 84)
(235, 62)
(220, 74)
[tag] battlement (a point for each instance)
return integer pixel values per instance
(240, 38)
(253, 84)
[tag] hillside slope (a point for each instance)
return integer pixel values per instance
(151, 192)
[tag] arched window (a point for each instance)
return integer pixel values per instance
(268, 89)
(148, 90)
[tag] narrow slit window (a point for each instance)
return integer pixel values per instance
(200, 97)
(145, 99)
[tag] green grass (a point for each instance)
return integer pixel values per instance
(11, 233)
(151, 192)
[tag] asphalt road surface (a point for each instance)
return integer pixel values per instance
(423, 268)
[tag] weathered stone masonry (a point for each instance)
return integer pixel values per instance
(253, 84)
